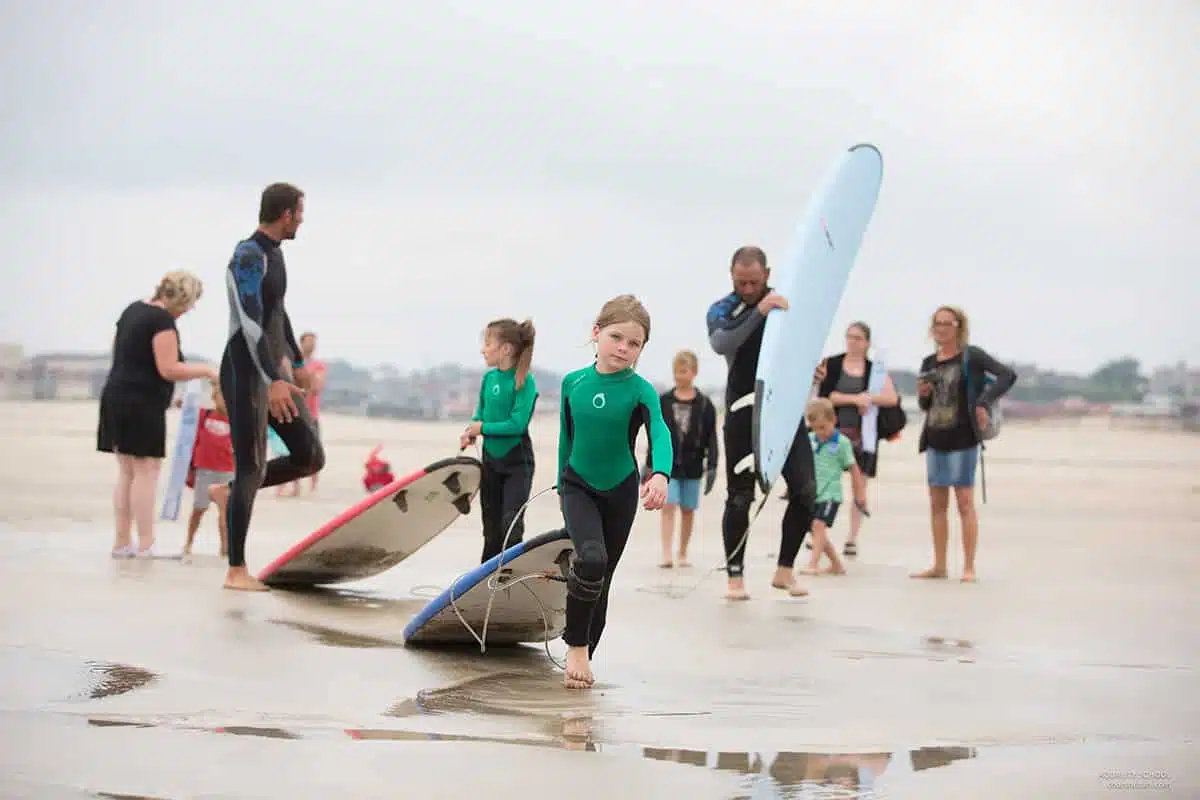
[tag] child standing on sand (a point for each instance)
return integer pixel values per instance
(603, 406)
(212, 468)
(833, 454)
(692, 420)
(507, 396)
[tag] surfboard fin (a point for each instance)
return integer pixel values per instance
(462, 503)
(453, 483)
(400, 498)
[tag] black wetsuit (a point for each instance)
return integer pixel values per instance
(259, 334)
(735, 331)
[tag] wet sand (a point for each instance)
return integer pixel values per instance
(1069, 670)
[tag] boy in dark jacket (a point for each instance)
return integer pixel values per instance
(692, 419)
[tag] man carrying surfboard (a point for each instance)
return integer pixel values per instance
(735, 331)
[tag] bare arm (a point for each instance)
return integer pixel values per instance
(888, 396)
(166, 359)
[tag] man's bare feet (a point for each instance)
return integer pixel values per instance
(239, 578)
(798, 591)
(187, 549)
(968, 575)
(932, 572)
(578, 674)
(736, 590)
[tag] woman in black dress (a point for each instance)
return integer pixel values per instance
(146, 362)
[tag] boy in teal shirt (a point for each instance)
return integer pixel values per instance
(833, 454)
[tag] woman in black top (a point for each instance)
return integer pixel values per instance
(847, 376)
(958, 386)
(146, 362)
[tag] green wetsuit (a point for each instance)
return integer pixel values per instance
(508, 462)
(600, 417)
(598, 482)
(504, 410)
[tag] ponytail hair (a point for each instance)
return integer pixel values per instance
(520, 335)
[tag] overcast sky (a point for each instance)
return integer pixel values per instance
(468, 159)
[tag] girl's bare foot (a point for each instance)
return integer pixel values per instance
(834, 569)
(784, 578)
(239, 578)
(682, 561)
(736, 590)
(123, 550)
(578, 674)
(666, 563)
(968, 575)
(932, 572)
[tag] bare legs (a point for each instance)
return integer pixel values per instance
(133, 504)
(687, 520)
(123, 508)
(939, 523)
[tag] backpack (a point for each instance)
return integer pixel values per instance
(891, 420)
(995, 417)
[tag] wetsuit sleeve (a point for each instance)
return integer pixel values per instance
(1005, 376)
(712, 451)
(662, 451)
(564, 429)
(245, 281)
(289, 338)
(518, 421)
(925, 403)
(478, 415)
(726, 333)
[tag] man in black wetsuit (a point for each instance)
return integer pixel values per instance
(735, 330)
(256, 394)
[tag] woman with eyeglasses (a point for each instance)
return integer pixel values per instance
(957, 388)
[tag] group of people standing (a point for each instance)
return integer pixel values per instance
(252, 385)
(603, 407)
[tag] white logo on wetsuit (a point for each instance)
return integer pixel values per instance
(599, 400)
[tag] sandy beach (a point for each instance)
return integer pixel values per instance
(1069, 670)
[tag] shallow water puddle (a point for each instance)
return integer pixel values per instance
(40, 677)
(783, 775)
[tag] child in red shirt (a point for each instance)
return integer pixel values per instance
(212, 468)
(378, 473)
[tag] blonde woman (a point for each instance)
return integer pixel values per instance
(146, 362)
(958, 385)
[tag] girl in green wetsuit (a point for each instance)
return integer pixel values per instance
(603, 406)
(507, 395)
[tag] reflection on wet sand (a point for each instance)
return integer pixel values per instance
(332, 637)
(109, 680)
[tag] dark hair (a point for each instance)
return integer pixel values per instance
(520, 335)
(862, 326)
(748, 255)
(277, 200)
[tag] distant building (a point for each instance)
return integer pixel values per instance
(65, 376)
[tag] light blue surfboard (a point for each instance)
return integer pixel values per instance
(530, 606)
(812, 279)
(189, 419)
